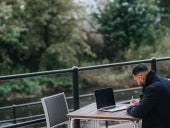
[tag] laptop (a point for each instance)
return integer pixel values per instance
(105, 100)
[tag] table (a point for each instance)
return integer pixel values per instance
(90, 112)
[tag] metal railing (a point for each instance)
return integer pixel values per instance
(40, 118)
(75, 77)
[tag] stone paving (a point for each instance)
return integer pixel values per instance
(122, 124)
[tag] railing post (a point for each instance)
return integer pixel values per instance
(106, 124)
(76, 93)
(14, 113)
(153, 64)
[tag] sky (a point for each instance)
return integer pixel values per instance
(91, 5)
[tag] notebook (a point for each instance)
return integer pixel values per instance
(105, 100)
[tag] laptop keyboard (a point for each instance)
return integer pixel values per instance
(109, 107)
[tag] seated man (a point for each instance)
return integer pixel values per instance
(154, 104)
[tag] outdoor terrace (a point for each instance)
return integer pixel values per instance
(75, 98)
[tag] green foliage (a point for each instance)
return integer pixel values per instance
(160, 49)
(10, 31)
(30, 28)
(4, 90)
(39, 35)
(33, 86)
(23, 86)
(163, 48)
(10, 25)
(123, 22)
(48, 34)
(141, 52)
(164, 11)
(58, 30)
(55, 81)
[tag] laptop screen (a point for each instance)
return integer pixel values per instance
(104, 97)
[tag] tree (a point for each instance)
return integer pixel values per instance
(123, 22)
(41, 35)
(164, 11)
(11, 27)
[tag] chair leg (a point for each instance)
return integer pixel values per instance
(96, 123)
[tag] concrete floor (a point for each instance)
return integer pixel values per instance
(122, 125)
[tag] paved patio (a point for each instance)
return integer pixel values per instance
(122, 125)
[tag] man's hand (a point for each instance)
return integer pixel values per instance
(134, 102)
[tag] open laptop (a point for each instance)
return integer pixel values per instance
(105, 100)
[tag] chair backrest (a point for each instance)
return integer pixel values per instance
(55, 110)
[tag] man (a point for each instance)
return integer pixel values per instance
(153, 107)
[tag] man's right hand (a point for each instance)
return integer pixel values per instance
(134, 102)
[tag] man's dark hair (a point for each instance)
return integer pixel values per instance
(139, 68)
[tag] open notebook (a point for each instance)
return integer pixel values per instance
(105, 100)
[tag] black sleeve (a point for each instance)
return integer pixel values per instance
(150, 96)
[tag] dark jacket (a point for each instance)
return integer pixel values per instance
(154, 105)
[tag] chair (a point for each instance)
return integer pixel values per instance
(55, 110)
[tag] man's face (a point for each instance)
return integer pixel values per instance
(140, 79)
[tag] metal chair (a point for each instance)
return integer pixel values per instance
(55, 110)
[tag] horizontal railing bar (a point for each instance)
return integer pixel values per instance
(41, 119)
(80, 69)
(25, 118)
(128, 89)
(122, 63)
(24, 123)
(116, 91)
(35, 74)
(20, 105)
(35, 103)
(114, 64)
(81, 96)
(163, 58)
(22, 118)
(26, 104)
(29, 117)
